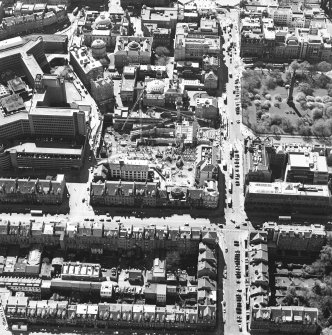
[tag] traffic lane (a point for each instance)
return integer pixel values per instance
(231, 285)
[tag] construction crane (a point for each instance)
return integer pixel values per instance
(132, 109)
(182, 114)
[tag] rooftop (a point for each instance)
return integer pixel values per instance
(32, 148)
(289, 189)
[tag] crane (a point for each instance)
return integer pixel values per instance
(134, 106)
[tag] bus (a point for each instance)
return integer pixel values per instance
(230, 186)
(231, 171)
(285, 218)
(36, 212)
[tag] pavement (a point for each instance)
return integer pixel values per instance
(235, 215)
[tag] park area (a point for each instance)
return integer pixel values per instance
(265, 95)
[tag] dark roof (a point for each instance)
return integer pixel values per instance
(195, 194)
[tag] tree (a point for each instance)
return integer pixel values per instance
(322, 129)
(275, 130)
(162, 51)
(322, 80)
(270, 83)
(276, 120)
(324, 66)
(317, 113)
(328, 112)
(304, 130)
(300, 96)
(287, 125)
(266, 104)
(305, 88)
(278, 97)
(294, 65)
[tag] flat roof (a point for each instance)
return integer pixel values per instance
(288, 189)
(30, 147)
(49, 111)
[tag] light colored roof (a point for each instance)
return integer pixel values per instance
(33, 149)
(288, 189)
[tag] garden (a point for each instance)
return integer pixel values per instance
(265, 100)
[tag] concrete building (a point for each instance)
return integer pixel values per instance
(103, 93)
(30, 156)
(307, 168)
(23, 58)
(85, 67)
(288, 198)
(52, 43)
(32, 191)
(128, 83)
(282, 16)
(132, 50)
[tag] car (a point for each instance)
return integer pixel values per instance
(238, 282)
(239, 311)
(238, 121)
(237, 183)
(226, 250)
(237, 251)
(236, 243)
(239, 290)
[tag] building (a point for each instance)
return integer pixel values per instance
(295, 237)
(192, 43)
(287, 198)
(102, 91)
(24, 58)
(284, 319)
(37, 20)
(161, 36)
(155, 92)
(32, 191)
(85, 67)
(259, 162)
(121, 193)
(105, 26)
(52, 43)
(307, 168)
(283, 16)
(31, 156)
(210, 81)
(132, 50)
(135, 170)
(163, 17)
(206, 108)
(128, 83)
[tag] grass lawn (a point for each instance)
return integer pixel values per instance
(279, 118)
